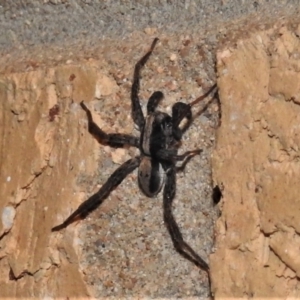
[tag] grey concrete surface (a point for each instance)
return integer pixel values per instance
(25, 23)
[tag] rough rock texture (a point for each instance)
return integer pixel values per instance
(50, 164)
(27, 23)
(256, 165)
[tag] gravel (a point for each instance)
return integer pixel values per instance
(25, 23)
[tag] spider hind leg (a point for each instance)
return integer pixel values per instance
(97, 199)
(179, 244)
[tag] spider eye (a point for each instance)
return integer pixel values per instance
(167, 124)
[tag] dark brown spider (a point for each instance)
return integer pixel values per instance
(159, 142)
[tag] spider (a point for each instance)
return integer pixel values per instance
(158, 144)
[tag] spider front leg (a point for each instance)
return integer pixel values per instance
(136, 110)
(202, 97)
(96, 200)
(186, 157)
(182, 111)
(179, 244)
(115, 140)
(172, 156)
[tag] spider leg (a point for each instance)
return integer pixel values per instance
(171, 155)
(179, 244)
(136, 110)
(153, 101)
(96, 200)
(208, 103)
(182, 110)
(202, 97)
(115, 140)
(188, 156)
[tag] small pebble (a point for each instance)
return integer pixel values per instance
(8, 215)
(118, 155)
(173, 57)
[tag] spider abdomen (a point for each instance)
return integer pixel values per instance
(151, 176)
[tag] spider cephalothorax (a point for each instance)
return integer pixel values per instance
(158, 144)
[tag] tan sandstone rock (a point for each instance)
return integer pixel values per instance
(50, 164)
(256, 164)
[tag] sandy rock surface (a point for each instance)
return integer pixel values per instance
(256, 164)
(52, 164)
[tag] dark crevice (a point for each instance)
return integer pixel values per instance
(216, 194)
(12, 275)
(4, 234)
